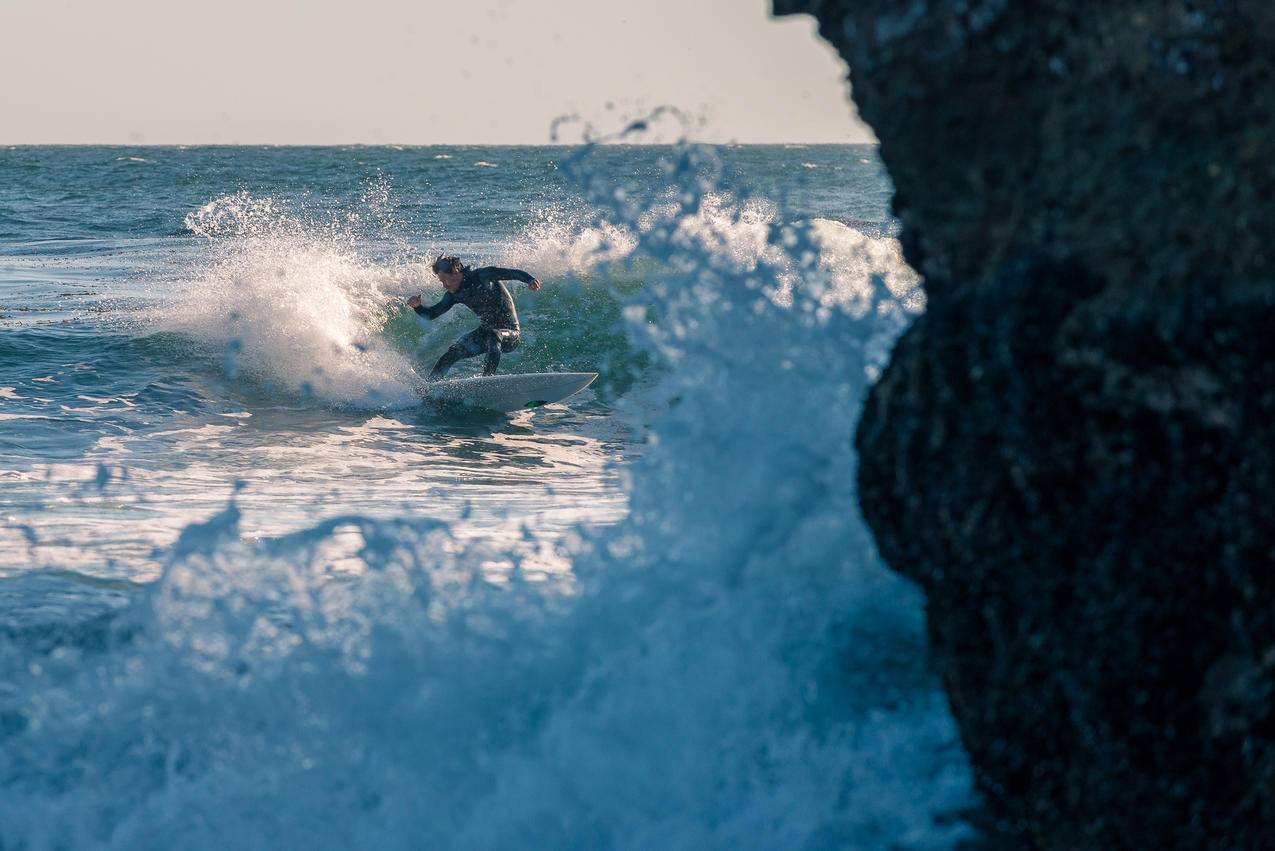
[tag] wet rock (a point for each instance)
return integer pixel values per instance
(1073, 451)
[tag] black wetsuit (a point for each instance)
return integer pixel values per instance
(481, 291)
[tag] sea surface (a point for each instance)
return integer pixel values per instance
(255, 593)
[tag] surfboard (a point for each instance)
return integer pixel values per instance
(510, 392)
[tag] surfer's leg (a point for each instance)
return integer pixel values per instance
(466, 347)
(493, 353)
(444, 363)
(499, 340)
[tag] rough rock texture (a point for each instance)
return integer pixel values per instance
(1073, 451)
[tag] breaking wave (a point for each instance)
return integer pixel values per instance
(727, 667)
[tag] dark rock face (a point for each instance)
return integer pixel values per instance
(1073, 451)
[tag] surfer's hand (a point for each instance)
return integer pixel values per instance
(534, 285)
(414, 302)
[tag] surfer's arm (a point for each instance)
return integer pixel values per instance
(437, 310)
(495, 273)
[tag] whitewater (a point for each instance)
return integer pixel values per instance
(254, 594)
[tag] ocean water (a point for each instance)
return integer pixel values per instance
(254, 594)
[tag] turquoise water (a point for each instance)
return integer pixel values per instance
(252, 591)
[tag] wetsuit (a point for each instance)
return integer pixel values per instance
(481, 291)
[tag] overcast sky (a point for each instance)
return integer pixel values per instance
(398, 71)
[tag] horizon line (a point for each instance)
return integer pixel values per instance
(405, 145)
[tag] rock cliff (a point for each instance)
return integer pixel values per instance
(1073, 450)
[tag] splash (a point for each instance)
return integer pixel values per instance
(292, 304)
(559, 243)
(240, 214)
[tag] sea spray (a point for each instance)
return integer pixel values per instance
(291, 301)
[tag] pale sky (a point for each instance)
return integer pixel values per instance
(397, 71)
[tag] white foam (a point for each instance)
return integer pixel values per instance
(557, 242)
(292, 309)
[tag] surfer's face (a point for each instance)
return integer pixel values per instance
(450, 279)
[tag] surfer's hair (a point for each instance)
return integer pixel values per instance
(448, 264)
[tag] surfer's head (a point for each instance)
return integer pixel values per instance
(450, 271)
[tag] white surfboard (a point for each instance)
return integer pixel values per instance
(510, 392)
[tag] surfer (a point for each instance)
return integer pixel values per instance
(481, 291)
